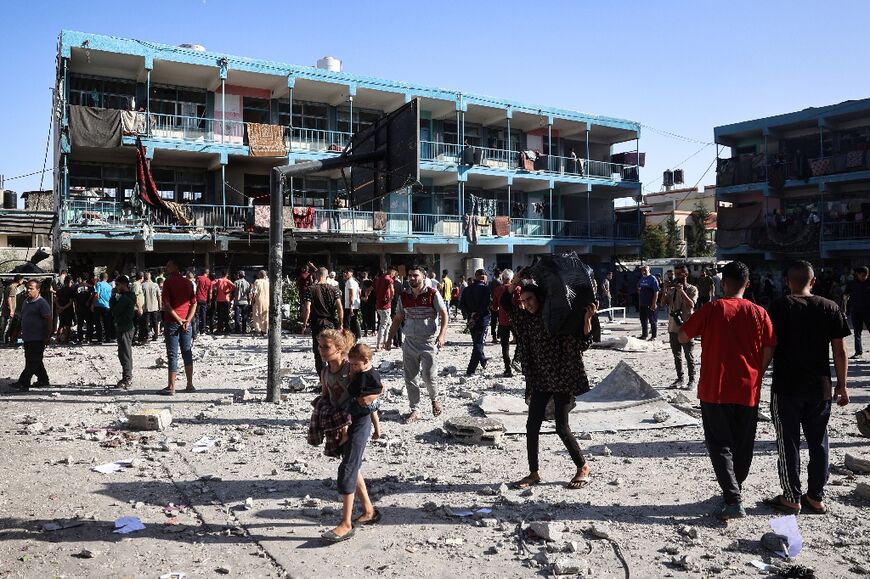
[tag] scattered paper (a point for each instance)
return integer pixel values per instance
(468, 512)
(111, 467)
(762, 566)
(124, 525)
(173, 575)
(203, 444)
(788, 526)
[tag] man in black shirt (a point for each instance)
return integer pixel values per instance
(806, 326)
(475, 303)
(858, 291)
(83, 313)
(322, 310)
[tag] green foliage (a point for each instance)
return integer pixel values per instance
(653, 241)
(698, 243)
(672, 238)
(290, 297)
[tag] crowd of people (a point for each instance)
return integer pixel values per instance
(739, 340)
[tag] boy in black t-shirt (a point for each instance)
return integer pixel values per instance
(365, 388)
(806, 327)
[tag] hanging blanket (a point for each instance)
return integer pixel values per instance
(821, 166)
(148, 189)
(266, 140)
(93, 127)
(379, 220)
(132, 123)
(502, 226)
(262, 216)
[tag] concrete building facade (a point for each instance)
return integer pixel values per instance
(213, 126)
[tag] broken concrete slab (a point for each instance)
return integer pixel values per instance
(623, 400)
(857, 464)
(149, 419)
(475, 429)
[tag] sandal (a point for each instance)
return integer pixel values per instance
(190, 389)
(777, 505)
(376, 518)
(167, 391)
(331, 537)
(526, 482)
(436, 408)
(578, 482)
(807, 506)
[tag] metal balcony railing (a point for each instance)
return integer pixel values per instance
(316, 140)
(100, 215)
(195, 129)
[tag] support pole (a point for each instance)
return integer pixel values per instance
(276, 265)
(223, 109)
(148, 102)
(224, 191)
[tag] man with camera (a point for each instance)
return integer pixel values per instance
(680, 299)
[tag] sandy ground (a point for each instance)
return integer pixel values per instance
(652, 491)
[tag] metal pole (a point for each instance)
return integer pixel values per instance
(510, 158)
(588, 162)
(224, 191)
(223, 109)
(276, 263)
(350, 120)
(588, 214)
(550, 148)
(148, 102)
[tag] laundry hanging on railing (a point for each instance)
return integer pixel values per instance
(518, 210)
(379, 220)
(93, 127)
(481, 206)
(148, 189)
(266, 140)
(262, 216)
(629, 158)
(303, 217)
(501, 226)
(471, 228)
(133, 123)
(526, 160)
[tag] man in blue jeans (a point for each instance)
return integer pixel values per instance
(648, 298)
(179, 309)
(475, 303)
(100, 308)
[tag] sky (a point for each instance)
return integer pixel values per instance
(678, 67)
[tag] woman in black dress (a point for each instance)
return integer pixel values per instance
(553, 368)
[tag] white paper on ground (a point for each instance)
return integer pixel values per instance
(111, 467)
(788, 526)
(203, 444)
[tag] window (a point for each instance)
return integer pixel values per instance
(99, 92)
(305, 115)
(311, 192)
(362, 118)
(472, 135)
(18, 241)
(256, 110)
(449, 133)
(497, 139)
(178, 102)
(179, 184)
(108, 181)
(257, 187)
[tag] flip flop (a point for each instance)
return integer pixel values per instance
(166, 392)
(578, 482)
(526, 482)
(331, 537)
(777, 505)
(808, 507)
(190, 389)
(373, 521)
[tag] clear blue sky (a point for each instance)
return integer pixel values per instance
(682, 67)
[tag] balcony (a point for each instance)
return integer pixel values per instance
(90, 216)
(777, 169)
(522, 162)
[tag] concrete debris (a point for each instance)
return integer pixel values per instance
(687, 531)
(606, 451)
(249, 503)
(598, 531)
(86, 554)
(547, 531)
(245, 395)
(857, 464)
(862, 490)
(661, 416)
(298, 383)
(569, 566)
(149, 419)
(475, 430)
(34, 428)
(224, 570)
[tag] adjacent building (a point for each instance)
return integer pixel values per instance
(683, 205)
(539, 179)
(26, 233)
(798, 186)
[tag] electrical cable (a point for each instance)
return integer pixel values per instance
(676, 136)
(678, 165)
(28, 174)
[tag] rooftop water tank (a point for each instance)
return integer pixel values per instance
(10, 199)
(329, 63)
(196, 47)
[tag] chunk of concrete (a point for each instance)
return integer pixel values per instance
(857, 464)
(149, 419)
(475, 430)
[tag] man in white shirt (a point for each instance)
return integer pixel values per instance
(351, 303)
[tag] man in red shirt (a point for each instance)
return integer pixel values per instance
(203, 295)
(737, 345)
(223, 289)
(179, 308)
(383, 306)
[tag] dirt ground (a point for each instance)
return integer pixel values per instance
(255, 504)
